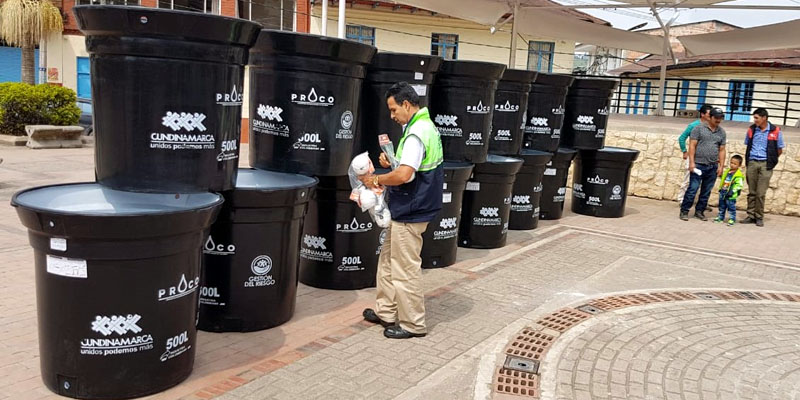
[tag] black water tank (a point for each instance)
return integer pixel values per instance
(117, 276)
(386, 70)
(510, 108)
(554, 184)
(252, 253)
(487, 203)
(462, 107)
(527, 190)
(167, 96)
(587, 113)
(304, 100)
(545, 117)
(600, 182)
(440, 240)
(340, 244)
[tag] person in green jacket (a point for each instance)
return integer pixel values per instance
(705, 114)
(729, 189)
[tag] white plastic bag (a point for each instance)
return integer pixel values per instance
(371, 200)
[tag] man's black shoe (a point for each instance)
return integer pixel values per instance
(370, 316)
(684, 216)
(396, 332)
(748, 220)
(760, 223)
(700, 216)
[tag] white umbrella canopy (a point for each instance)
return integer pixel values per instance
(671, 3)
(485, 12)
(784, 35)
(536, 20)
(552, 24)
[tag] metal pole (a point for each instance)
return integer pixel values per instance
(341, 18)
(677, 96)
(281, 14)
(667, 51)
(785, 107)
(512, 57)
(43, 60)
(662, 80)
(324, 18)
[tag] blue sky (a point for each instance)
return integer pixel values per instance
(626, 18)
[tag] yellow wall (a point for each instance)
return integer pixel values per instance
(62, 53)
(403, 32)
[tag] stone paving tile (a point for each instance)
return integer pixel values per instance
(760, 356)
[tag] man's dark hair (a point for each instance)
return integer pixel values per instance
(738, 158)
(705, 109)
(402, 91)
(761, 112)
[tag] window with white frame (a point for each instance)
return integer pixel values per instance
(271, 14)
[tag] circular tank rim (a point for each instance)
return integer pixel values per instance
(19, 200)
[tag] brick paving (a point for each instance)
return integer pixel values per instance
(475, 308)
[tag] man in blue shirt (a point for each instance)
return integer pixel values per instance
(764, 146)
(705, 114)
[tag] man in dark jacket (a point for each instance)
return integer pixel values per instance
(415, 198)
(764, 146)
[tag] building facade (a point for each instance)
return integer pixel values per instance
(738, 83)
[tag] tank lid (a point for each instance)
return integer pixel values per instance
(518, 75)
(594, 83)
(562, 80)
(499, 165)
(92, 199)
(391, 61)
(457, 165)
(534, 157)
(475, 69)
(495, 159)
(619, 154)
(267, 181)
(457, 171)
(564, 154)
(277, 42)
(102, 20)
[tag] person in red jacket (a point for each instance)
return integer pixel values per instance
(764, 147)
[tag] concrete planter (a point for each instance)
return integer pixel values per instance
(53, 137)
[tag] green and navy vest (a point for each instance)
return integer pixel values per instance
(421, 199)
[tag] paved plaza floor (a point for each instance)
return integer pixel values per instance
(642, 307)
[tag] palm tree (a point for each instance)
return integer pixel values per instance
(23, 23)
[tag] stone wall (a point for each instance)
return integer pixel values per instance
(658, 172)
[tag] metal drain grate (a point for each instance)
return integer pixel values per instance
(522, 364)
(530, 344)
(749, 295)
(588, 308)
(563, 319)
(707, 296)
(516, 382)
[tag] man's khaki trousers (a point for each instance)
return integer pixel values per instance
(758, 182)
(400, 296)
